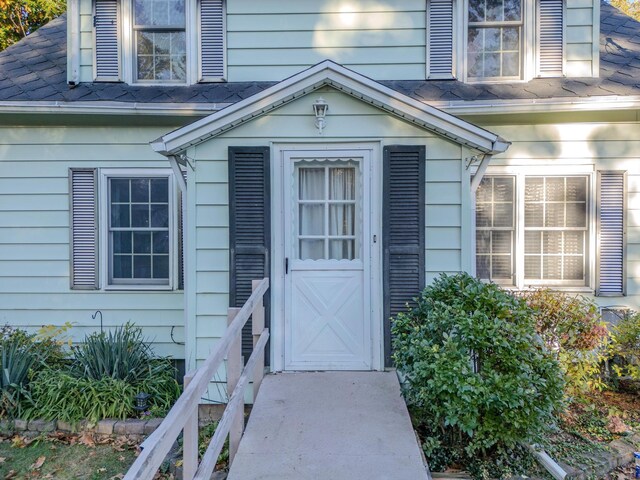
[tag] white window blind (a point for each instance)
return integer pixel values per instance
(611, 233)
(84, 229)
(440, 39)
(107, 50)
(495, 229)
(550, 38)
(212, 39)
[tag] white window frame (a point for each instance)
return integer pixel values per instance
(528, 52)
(104, 215)
(520, 172)
(128, 50)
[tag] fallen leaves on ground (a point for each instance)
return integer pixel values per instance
(20, 441)
(38, 463)
(87, 439)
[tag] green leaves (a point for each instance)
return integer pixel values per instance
(19, 18)
(16, 360)
(478, 377)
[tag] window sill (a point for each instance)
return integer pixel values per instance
(557, 288)
(139, 288)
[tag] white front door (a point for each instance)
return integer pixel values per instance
(328, 261)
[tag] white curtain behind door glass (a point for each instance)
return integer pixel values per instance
(327, 212)
(311, 186)
(341, 215)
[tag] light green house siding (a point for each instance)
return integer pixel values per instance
(582, 38)
(34, 233)
(350, 120)
(272, 39)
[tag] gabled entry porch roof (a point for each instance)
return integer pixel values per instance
(331, 74)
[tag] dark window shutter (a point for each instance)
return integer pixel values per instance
(404, 230)
(249, 227)
(550, 38)
(440, 39)
(212, 39)
(84, 228)
(107, 49)
(611, 234)
(181, 199)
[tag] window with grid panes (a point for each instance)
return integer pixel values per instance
(494, 40)
(550, 240)
(139, 230)
(160, 40)
(495, 228)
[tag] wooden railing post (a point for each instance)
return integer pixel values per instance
(234, 370)
(257, 325)
(190, 439)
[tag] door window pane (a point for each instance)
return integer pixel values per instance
(326, 216)
(342, 220)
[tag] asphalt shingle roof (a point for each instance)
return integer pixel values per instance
(34, 69)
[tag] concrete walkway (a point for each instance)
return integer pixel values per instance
(329, 425)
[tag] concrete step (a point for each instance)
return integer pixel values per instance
(329, 425)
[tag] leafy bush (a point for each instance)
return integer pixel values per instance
(108, 370)
(625, 344)
(21, 354)
(572, 329)
(477, 377)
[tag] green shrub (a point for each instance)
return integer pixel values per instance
(572, 329)
(506, 395)
(625, 345)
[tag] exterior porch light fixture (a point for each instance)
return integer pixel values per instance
(320, 108)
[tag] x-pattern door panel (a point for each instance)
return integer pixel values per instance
(327, 325)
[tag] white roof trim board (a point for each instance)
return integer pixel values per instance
(342, 79)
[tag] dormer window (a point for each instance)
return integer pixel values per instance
(151, 42)
(494, 40)
(160, 40)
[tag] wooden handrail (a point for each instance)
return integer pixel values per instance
(156, 447)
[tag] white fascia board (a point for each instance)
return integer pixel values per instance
(545, 105)
(356, 85)
(111, 108)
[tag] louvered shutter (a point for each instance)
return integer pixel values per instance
(550, 38)
(107, 49)
(212, 44)
(84, 229)
(611, 234)
(249, 228)
(181, 244)
(403, 230)
(440, 39)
